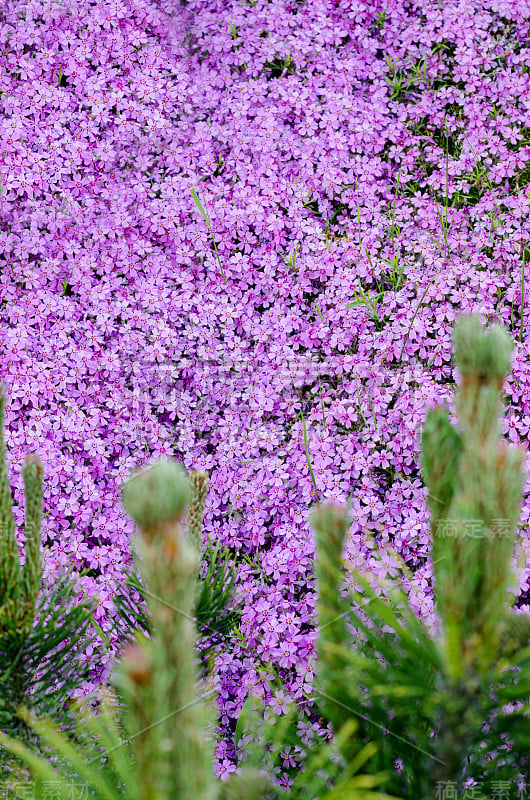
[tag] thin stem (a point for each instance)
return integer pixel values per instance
(414, 317)
(394, 207)
(358, 215)
(206, 218)
(522, 293)
(307, 453)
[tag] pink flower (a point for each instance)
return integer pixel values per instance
(225, 768)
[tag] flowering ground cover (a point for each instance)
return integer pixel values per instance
(239, 234)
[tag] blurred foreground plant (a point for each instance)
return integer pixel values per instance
(42, 633)
(440, 709)
(215, 608)
(42, 640)
(165, 754)
(164, 718)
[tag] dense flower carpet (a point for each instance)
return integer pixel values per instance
(238, 234)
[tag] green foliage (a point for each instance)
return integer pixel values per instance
(104, 766)
(400, 81)
(216, 611)
(205, 215)
(40, 631)
(325, 774)
(439, 706)
(164, 753)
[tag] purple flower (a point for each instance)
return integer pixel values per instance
(280, 703)
(225, 768)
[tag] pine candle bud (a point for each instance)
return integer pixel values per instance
(486, 355)
(157, 496)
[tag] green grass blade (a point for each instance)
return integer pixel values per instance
(199, 206)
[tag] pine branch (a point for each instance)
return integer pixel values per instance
(9, 558)
(164, 718)
(41, 640)
(216, 611)
(32, 571)
(402, 684)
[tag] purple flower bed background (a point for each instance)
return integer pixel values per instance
(339, 148)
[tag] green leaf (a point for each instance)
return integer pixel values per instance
(72, 764)
(40, 768)
(101, 633)
(106, 730)
(199, 205)
(139, 618)
(379, 607)
(56, 648)
(248, 710)
(353, 789)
